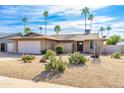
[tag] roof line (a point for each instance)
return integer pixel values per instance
(7, 36)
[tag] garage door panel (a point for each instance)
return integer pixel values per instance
(29, 47)
(10, 47)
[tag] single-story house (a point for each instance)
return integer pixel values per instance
(5, 39)
(35, 43)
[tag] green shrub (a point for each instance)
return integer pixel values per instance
(77, 58)
(116, 55)
(55, 65)
(28, 58)
(59, 49)
(113, 40)
(61, 65)
(43, 52)
(49, 53)
(51, 65)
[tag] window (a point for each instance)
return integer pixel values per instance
(80, 43)
(91, 44)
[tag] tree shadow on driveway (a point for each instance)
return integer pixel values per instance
(47, 75)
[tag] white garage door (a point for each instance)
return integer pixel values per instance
(10, 47)
(29, 47)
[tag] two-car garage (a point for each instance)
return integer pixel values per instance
(29, 47)
(32, 47)
(34, 43)
(35, 46)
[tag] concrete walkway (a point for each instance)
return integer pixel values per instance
(6, 82)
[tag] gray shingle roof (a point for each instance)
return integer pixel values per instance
(64, 37)
(34, 37)
(7, 34)
(77, 37)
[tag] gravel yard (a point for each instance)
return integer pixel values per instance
(108, 73)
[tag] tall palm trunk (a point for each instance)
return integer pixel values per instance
(40, 32)
(45, 30)
(45, 25)
(85, 21)
(99, 33)
(102, 33)
(90, 25)
(108, 33)
(24, 26)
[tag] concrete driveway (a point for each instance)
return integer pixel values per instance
(8, 56)
(6, 82)
(11, 56)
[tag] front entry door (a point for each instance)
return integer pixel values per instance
(80, 46)
(2, 47)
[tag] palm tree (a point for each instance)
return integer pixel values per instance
(24, 21)
(85, 12)
(102, 29)
(45, 14)
(108, 28)
(91, 17)
(40, 28)
(27, 30)
(57, 29)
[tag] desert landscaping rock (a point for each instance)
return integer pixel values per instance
(109, 73)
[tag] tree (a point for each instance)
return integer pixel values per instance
(91, 17)
(108, 28)
(85, 12)
(113, 40)
(40, 28)
(24, 21)
(57, 29)
(45, 14)
(19, 34)
(102, 29)
(27, 30)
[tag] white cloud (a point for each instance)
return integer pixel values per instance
(7, 22)
(102, 19)
(73, 9)
(80, 23)
(34, 14)
(7, 29)
(117, 24)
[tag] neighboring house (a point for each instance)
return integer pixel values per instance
(110, 49)
(120, 43)
(34, 43)
(4, 40)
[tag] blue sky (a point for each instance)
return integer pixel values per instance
(68, 17)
